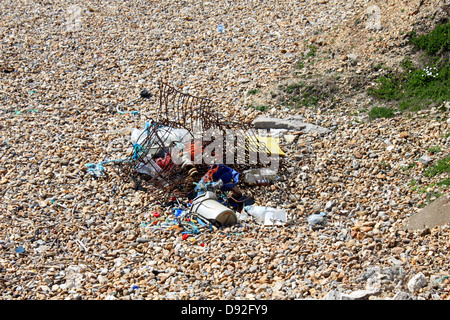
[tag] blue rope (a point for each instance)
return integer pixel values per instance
(137, 149)
(98, 169)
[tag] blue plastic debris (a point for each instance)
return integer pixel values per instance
(317, 220)
(20, 249)
(95, 169)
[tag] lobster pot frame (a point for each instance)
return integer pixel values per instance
(177, 133)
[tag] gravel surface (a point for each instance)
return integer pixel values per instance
(67, 68)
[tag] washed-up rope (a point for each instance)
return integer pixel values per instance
(26, 110)
(134, 112)
(145, 94)
(98, 169)
(137, 150)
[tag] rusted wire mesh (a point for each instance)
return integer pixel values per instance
(151, 162)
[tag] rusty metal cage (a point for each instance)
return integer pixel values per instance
(151, 162)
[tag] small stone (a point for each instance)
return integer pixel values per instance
(366, 229)
(90, 222)
(118, 227)
(330, 204)
(403, 296)
(417, 282)
(381, 176)
(398, 250)
(390, 148)
(425, 159)
(131, 236)
(357, 155)
(290, 138)
(244, 80)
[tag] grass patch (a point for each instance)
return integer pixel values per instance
(293, 88)
(445, 182)
(307, 95)
(434, 149)
(260, 108)
(435, 41)
(253, 91)
(413, 184)
(381, 112)
(416, 87)
(300, 65)
(431, 196)
(312, 51)
(441, 166)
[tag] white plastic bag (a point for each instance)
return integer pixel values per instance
(267, 215)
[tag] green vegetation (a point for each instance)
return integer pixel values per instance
(300, 65)
(434, 149)
(417, 87)
(444, 182)
(407, 64)
(377, 66)
(433, 190)
(441, 166)
(431, 196)
(253, 91)
(381, 112)
(260, 108)
(435, 41)
(383, 165)
(310, 54)
(312, 51)
(413, 184)
(295, 87)
(300, 94)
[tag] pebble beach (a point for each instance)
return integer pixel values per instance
(71, 72)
